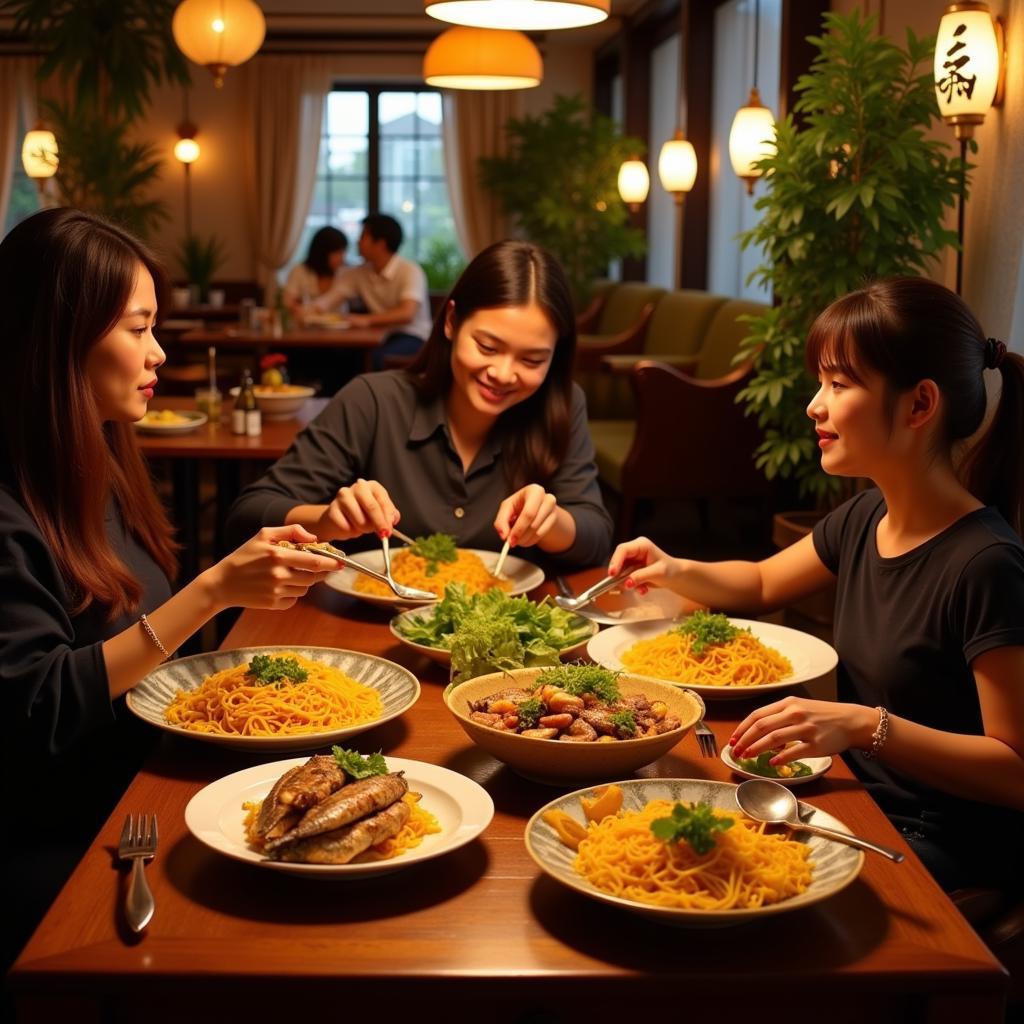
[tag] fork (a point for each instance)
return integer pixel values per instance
(138, 844)
(706, 740)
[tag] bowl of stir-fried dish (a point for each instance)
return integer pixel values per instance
(574, 721)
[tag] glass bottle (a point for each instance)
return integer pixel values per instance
(245, 418)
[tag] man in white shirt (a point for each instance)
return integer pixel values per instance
(392, 288)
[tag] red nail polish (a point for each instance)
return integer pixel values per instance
(629, 584)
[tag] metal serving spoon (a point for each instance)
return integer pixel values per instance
(574, 604)
(400, 589)
(764, 800)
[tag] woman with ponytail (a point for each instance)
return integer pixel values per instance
(929, 565)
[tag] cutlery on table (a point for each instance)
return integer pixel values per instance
(563, 587)
(138, 844)
(572, 604)
(399, 589)
(706, 740)
(500, 564)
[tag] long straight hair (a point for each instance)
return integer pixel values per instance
(513, 273)
(909, 329)
(65, 280)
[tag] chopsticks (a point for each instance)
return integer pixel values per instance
(404, 537)
(500, 564)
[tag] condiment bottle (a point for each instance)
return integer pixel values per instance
(245, 418)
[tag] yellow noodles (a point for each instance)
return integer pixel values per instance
(229, 703)
(747, 868)
(744, 661)
(411, 570)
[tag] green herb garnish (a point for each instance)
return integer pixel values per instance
(707, 628)
(484, 645)
(759, 766)
(625, 722)
(697, 824)
(578, 679)
(358, 767)
(438, 547)
(530, 712)
(268, 670)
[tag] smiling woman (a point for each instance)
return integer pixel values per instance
(484, 437)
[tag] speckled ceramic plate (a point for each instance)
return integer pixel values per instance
(818, 766)
(463, 810)
(836, 865)
(398, 687)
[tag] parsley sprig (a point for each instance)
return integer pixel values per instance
(707, 629)
(578, 679)
(358, 767)
(697, 824)
(271, 670)
(624, 722)
(438, 547)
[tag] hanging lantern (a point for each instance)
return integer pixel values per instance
(677, 166)
(521, 15)
(219, 34)
(751, 139)
(482, 58)
(39, 154)
(968, 65)
(186, 149)
(634, 183)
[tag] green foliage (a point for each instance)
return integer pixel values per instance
(624, 722)
(437, 547)
(856, 191)
(442, 263)
(696, 824)
(199, 258)
(559, 181)
(707, 628)
(355, 766)
(268, 670)
(577, 679)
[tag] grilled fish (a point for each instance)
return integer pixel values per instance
(342, 844)
(276, 818)
(316, 780)
(348, 804)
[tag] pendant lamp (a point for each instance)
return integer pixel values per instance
(219, 34)
(482, 58)
(523, 15)
(634, 183)
(753, 128)
(39, 154)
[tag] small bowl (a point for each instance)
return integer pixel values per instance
(279, 405)
(555, 762)
(818, 766)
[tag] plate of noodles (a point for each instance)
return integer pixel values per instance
(170, 421)
(759, 658)
(751, 872)
(274, 698)
(472, 569)
(458, 808)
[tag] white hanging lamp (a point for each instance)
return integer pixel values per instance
(523, 15)
(677, 166)
(634, 183)
(482, 58)
(752, 136)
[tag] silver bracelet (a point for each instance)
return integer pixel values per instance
(151, 633)
(880, 735)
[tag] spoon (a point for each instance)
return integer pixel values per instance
(572, 604)
(767, 801)
(400, 590)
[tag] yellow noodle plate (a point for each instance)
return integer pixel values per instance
(421, 823)
(747, 868)
(411, 570)
(228, 703)
(743, 661)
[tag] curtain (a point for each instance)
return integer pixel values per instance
(284, 100)
(17, 97)
(474, 126)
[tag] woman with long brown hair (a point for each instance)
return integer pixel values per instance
(484, 437)
(929, 568)
(86, 550)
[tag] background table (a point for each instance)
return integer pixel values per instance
(479, 932)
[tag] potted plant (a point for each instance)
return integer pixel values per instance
(559, 182)
(855, 190)
(199, 258)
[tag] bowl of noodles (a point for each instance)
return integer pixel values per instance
(751, 872)
(297, 698)
(759, 658)
(552, 760)
(279, 401)
(471, 567)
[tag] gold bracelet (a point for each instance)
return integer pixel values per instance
(151, 633)
(880, 735)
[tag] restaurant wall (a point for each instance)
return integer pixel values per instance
(994, 230)
(218, 196)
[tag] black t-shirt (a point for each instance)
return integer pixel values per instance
(907, 629)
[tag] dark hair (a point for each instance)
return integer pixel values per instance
(909, 329)
(321, 245)
(513, 273)
(65, 279)
(383, 227)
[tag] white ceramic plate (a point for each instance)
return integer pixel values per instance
(818, 766)
(194, 419)
(398, 687)
(444, 657)
(835, 865)
(524, 575)
(462, 808)
(279, 405)
(811, 658)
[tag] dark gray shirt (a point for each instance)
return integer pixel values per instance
(377, 427)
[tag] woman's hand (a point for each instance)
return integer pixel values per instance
(528, 516)
(813, 727)
(260, 574)
(364, 507)
(654, 568)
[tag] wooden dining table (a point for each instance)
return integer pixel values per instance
(480, 932)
